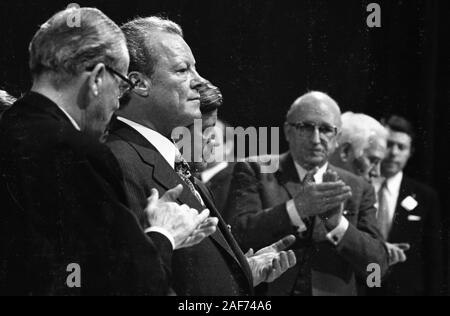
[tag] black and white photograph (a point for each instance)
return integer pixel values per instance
(225, 152)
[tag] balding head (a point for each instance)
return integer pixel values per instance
(316, 102)
(312, 125)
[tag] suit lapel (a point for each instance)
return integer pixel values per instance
(164, 175)
(400, 216)
(287, 175)
(224, 237)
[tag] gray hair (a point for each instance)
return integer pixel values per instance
(65, 50)
(359, 129)
(139, 33)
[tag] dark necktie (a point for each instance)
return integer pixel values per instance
(303, 285)
(184, 171)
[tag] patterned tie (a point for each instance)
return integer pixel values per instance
(384, 222)
(303, 285)
(184, 171)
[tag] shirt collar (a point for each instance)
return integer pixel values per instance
(162, 144)
(74, 123)
(318, 177)
(393, 184)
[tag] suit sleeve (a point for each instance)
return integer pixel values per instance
(362, 244)
(252, 226)
(433, 247)
(136, 263)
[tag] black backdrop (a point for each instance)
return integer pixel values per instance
(264, 54)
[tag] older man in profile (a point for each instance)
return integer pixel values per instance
(362, 146)
(330, 210)
(166, 97)
(64, 226)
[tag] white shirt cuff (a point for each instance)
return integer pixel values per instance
(337, 234)
(162, 231)
(296, 220)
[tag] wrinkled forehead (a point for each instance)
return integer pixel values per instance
(171, 48)
(376, 146)
(315, 112)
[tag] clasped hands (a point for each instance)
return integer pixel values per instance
(325, 200)
(185, 224)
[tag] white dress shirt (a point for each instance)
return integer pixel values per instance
(392, 192)
(167, 149)
(336, 235)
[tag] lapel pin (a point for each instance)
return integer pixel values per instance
(414, 218)
(409, 204)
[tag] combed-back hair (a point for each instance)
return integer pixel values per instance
(359, 129)
(73, 40)
(139, 34)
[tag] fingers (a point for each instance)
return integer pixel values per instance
(329, 186)
(201, 217)
(284, 243)
(404, 246)
(292, 259)
(401, 256)
(330, 176)
(336, 201)
(153, 199)
(173, 194)
(284, 262)
(250, 253)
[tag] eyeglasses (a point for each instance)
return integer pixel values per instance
(126, 84)
(308, 129)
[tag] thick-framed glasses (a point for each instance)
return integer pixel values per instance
(308, 129)
(125, 85)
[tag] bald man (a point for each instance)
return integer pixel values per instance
(331, 211)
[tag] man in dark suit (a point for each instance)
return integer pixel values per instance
(218, 174)
(167, 97)
(331, 211)
(65, 229)
(409, 213)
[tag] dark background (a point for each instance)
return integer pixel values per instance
(265, 54)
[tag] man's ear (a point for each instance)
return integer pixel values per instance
(287, 132)
(143, 84)
(345, 152)
(97, 80)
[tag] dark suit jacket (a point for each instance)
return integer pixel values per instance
(220, 188)
(422, 273)
(62, 202)
(258, 202)
(214, 267)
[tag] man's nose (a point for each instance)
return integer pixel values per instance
(197, 80)
(395, 150)
(315, 137)
(375, 172)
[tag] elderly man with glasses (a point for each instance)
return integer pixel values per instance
(64, 226)
(331, 211)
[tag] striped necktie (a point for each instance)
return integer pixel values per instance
(184, 171)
